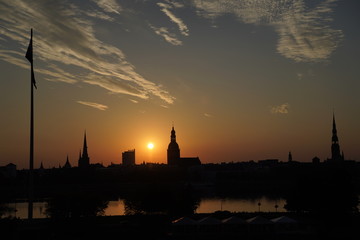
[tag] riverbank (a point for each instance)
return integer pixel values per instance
(159, 226)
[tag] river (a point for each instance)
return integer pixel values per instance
(206, 205)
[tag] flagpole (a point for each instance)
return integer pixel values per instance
(31, 167)
(29, 56)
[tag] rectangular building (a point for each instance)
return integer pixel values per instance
(128, 158)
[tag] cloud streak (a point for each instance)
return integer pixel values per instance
(283, 109)
(304, 33)
(67, 49)
(169, 37)
(168, 7)
(94, 105)
(165, 8)
(133, 101)
(110, 6)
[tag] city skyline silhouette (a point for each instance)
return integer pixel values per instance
(173, 152)
(263, 100)
(236, 81)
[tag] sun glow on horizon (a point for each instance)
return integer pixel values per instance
(150, 145)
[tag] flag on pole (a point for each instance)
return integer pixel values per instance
(29, 56)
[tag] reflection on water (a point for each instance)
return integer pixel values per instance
(76, 205)
(20, 210)
(206, 206)
(241, 205)
(115, 208)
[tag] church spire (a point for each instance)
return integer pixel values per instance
(85, 153)
(67, 164)
(335, 147)
(334, 131)
(84, 160)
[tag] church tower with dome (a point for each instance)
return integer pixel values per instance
(173, 154)
(173, 151)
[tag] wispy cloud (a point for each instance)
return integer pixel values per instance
(94, 105)
(175, 3)
(283, 108)
(66, 47)
(169, 37)
(110, 6)
(165, 8)
(208, 115)
(99, 15)
(134, 101)
(304, 33)
(299, 76)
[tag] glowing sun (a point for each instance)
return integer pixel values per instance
(150, 145)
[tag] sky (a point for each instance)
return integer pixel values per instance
(239, 80)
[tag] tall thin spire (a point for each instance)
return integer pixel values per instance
(84, 160)
(85, 153)
(67, 164)
(335, 138)
(335, 147)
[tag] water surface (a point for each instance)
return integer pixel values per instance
(207, 205)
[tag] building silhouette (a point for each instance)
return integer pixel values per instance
(173, 154)
(67, 164)
(8, 171)
(173, 151)
(128, 158)
(84, 160)
(290, 157)
(316, 160)
(336, 156)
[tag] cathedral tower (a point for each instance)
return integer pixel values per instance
(84, 160)
(335, 147)
(173, 151)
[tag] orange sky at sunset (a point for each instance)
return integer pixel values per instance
(240, 80)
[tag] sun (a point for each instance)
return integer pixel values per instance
(150, 145)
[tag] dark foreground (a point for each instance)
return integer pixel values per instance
(161, 227)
